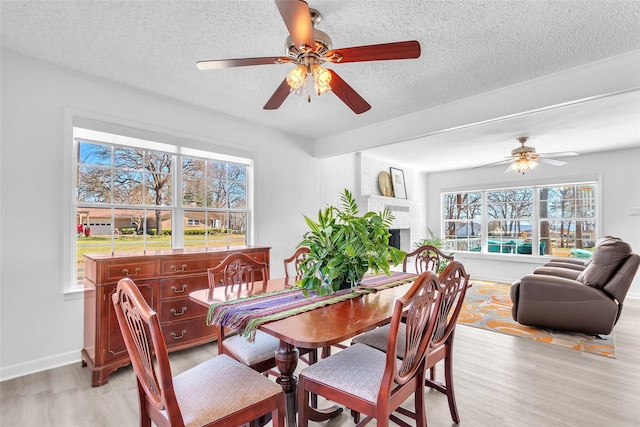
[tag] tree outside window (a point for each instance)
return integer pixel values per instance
(562, 223)
(126, 200)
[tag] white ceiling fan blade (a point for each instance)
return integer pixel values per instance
(553, 162)
(559, 154)
(501, 162)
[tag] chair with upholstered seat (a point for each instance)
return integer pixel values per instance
(370, 382)
(454, 281)
(218, 392)
(239, 269)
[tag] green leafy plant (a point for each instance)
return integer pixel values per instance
(432, 240)
(344, 246)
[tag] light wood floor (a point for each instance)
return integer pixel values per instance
(500, 381)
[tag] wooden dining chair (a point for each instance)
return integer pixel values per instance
(374, 383)
(218, 392)
(295, 261)
(453, 283)
(425, 258)
(237, 270)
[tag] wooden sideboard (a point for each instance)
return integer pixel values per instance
(165, 278)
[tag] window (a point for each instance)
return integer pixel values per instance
(462, 220)
(509, 220)
(134, 196)
(557, 220)
(568, 219)
(215, 197)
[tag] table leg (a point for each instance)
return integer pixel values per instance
(287, 360)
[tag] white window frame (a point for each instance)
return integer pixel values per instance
(182, 146)
(535, 220)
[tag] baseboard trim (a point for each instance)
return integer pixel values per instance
(39, 365)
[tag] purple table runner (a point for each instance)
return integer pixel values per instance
(244, 315)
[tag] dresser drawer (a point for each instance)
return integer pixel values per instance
(182, 286)
(258, 256)
(188, 265)
(181, 309)
(180, 334)
(133, 270)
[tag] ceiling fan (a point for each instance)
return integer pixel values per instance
(525, 158)
(309, 49)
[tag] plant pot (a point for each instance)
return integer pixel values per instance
(344, 285)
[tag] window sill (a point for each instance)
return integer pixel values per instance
(73, 293)
(531, 259)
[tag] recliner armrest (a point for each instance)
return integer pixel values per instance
(570, 266)
(566, 260)
(541, 287)
(567, 273)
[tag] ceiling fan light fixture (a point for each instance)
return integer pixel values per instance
(321, 78)
(297, 78)
(523, 164)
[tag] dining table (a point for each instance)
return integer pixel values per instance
(347, 314)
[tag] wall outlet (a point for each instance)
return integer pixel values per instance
(634, 211)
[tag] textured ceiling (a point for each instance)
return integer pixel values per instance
(468, 47)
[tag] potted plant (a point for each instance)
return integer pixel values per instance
(432, 240)
(344, 246)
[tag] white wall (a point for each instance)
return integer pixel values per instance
(40, 327)
(619, 190)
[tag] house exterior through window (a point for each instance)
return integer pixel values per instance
(134, 196)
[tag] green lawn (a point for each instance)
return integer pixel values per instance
(136, 243)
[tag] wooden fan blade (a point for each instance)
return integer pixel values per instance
(297, 18)
(278, 96)
(216, 64)
(347, 94)
(553, 162)
(377, 52)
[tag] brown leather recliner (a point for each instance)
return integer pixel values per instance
(577, 295)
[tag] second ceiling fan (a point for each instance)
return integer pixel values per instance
(309, 48)
(525, 158)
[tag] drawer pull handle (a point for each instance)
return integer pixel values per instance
(184, 268)
(175, 312)
(178, 337)
(176, 291)
(126, 272)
